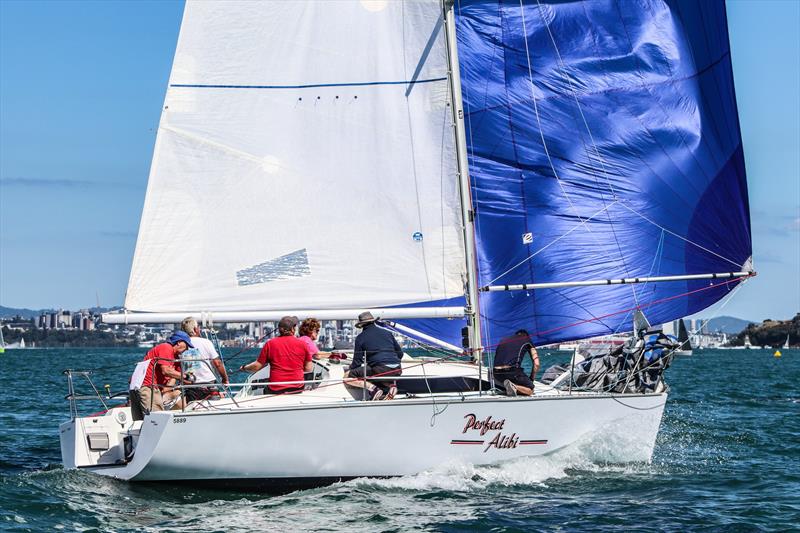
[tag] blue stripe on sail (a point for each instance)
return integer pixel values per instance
(603, 143)
(309, 86)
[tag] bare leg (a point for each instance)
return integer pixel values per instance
(179, 405)
(171, 394)
(358, 383)
(525, 391)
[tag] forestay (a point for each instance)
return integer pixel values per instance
(304, 160)
(603, 143)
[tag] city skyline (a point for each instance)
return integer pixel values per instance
(81, 90)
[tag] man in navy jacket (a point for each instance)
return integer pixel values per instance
(376, 354)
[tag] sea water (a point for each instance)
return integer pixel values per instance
(727, 459)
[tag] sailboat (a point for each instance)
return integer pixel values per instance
(683, 339)
(786, 343)
(463, 170)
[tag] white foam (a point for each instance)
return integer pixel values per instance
(465, 477)
(591, 454)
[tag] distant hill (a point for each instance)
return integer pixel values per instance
(728, 324)
(9, 312)
(771, 333)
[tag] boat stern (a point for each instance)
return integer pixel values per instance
(104, 439)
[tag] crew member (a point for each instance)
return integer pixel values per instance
(159, 373)
(309, 333)
(198, 362)
(288, 358)
(376, 354)
(508, 364)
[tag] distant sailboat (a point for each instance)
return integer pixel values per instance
(683, 339)
(17, 345)
(786, 344)
(11, 346)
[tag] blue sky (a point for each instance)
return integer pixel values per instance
(82, 84)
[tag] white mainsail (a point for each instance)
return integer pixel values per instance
(304, 160)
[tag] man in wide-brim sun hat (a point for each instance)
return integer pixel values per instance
(376, 354)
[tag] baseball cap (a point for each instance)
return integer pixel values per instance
(180, 336)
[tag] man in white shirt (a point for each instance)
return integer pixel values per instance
(199, 361)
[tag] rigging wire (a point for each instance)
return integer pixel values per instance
(653, 268)
(662, 228)
(724, 302)
(548, 245)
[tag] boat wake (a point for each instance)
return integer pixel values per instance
(585, 457)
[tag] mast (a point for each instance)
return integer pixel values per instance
(467, 213)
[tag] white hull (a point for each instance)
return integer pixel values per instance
(270, 443)
(682, 352)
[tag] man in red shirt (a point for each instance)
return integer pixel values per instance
(162, 369)
(288, 357)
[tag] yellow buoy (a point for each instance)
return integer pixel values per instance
(777, 353)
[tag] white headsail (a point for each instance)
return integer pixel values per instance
(304, 160)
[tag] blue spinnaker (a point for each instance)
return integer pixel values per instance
(603, 142)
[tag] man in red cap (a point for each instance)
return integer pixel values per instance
(288, 358)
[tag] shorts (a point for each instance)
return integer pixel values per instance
(517, 376)
(150, 399)
(381, 371)
(194, 394)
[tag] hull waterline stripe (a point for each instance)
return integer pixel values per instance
(466, 442)
(533, 442)
(308, 86)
